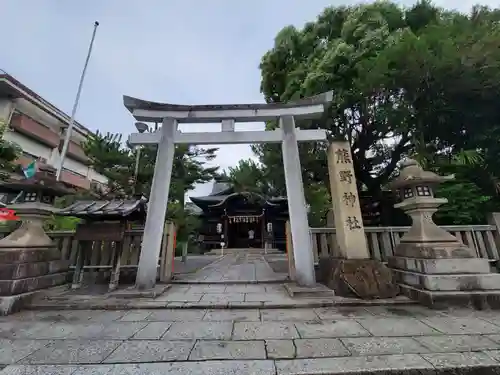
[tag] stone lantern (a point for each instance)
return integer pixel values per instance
(430, 264)
(29, 260)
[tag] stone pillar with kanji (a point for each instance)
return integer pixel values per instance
(352, 272)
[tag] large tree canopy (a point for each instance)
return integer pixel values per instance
(418, 80)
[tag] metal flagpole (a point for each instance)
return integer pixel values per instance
(69, 130)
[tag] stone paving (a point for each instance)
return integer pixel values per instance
(235, 267)
(241, 340)
(247, 341)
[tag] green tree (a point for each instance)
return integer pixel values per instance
(117, 160)
(398, 76)
(9, 152)
(248, 176)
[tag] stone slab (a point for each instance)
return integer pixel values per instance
(221, 367)
(180, 297)
(283, 315)
(223, 297)
(264, 331)
(317, 291)
(90, 331)
(383, 345)
(72, 352)
(245, 315)
(340, 328)
(461, 360)
(462, 326)
(439, 299)
(316, 348)
(135, 316)
(29, 255)
(25, 270)
(280, 349)
(451, 282)
(396, 327)
(13, 304)
(40, 370)
(434, 250)
(151, 351)
(12, 351)
(199, 330)
(457, 343)
(133, 292)
(153, 331)
(13, 287)
(171, 315)
(441, 266)
(335, 313)
(353, 365)
(230, 350)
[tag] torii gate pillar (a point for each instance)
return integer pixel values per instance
(168, 136)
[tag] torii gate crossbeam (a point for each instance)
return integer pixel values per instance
(168, 135)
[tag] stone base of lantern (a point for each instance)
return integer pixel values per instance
(447, 281)
(24, 271)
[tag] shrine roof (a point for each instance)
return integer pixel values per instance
(212, 201)
(115, 209)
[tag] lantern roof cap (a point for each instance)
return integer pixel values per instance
(412, 173)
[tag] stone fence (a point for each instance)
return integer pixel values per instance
(484, 239)
(99, 259)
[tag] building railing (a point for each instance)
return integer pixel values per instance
(382, 241)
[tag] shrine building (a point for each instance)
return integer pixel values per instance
(234, 214)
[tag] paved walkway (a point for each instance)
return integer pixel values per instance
(243, 267)
(247, 341)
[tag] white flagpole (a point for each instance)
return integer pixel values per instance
(69, 130)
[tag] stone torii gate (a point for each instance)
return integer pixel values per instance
(169, 135)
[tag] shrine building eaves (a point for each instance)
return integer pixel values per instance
(149, 111)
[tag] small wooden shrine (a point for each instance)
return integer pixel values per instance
(103, 220)
(236, 214)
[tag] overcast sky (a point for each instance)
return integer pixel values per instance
(177, 51)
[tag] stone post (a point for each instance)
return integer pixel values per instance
(302, 244)
(168, 252)
(157, 207)
(289, 251)
(430, 264)
(354, 273)
(345, 201)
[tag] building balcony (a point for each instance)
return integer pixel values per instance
(32, 129)
(74, 179)
(75, 151)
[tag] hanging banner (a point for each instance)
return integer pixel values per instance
(244, 219)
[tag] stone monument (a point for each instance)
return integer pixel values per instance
(430, 264)
(349, 269)
(29, 260)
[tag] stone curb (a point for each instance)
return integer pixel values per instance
(153, 305)
(229, 282)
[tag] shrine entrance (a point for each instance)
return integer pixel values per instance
(169, 135)
(245, 231)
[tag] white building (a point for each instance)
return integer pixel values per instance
(38, 127)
